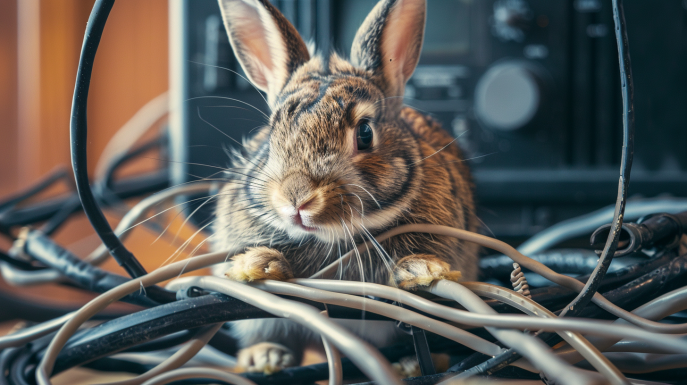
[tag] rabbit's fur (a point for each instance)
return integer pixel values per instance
(300, 193)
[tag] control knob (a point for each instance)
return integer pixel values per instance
(508, 95)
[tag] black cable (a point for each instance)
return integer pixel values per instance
(23, 265)
(79, 141)
(39, 187)
(44, 250)
(650, 285)
(7, 357)
(131, 187)
(592, 285)
(61, 217)
(626, 80)
(18, 370)
(126, 157)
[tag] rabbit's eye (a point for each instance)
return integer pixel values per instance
(364, 136)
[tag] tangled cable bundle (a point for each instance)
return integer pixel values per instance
(478, 324)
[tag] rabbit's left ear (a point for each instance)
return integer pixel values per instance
(390, 41)
(268, 47)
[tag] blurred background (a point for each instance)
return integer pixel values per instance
(529, 87)
(40, 42)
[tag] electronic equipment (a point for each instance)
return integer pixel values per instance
(529, 87)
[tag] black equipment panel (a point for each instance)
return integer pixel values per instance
(529, 87)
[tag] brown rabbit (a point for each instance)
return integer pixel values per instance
(342, 160)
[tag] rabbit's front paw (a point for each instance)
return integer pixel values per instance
(259, 263)
(265, 357)
(421, 270)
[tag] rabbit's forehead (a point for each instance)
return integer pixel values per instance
(322, 109)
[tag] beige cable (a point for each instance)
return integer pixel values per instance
(186, 373)
(515, 255)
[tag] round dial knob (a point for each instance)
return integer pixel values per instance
(507, 96)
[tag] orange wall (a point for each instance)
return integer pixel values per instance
(36, 86)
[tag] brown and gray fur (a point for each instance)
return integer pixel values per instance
(305, 163)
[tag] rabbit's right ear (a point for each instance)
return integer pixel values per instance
(266, 44)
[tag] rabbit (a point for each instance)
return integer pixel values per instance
(341, 160)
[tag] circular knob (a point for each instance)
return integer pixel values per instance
(507, 96)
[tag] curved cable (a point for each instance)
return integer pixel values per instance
(592, 285)
(79, 141)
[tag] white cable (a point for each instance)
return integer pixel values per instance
(656, 309)
(532, 348)
(527, 305)
(586, 224)
(579, 325)
(132, 131)
(448, 331)
(516, 256)
(186, 373)
(366, 357)
(333, 360)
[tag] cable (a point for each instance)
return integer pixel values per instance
(528, 346)
(366, 357)
(31, 333)
(126, 157)
(521, 302)
(136, 214)
(43, 249)
(391, 311)
(131, 132)
(658, 308)
(100, 254)
(596, 327)
(53, 177)
(79, 141)
(182, 374)
(179, 358)
(130, 187)
(172, 270)
(586, 224)
(333, 360)
(516, 256)
(608, 253)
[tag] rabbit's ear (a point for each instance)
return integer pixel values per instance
(390, 41)
(266, 44)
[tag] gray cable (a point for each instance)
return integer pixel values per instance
(632, 362)
(586, 224)
(31, 333)
(186, 373)
(364, 356)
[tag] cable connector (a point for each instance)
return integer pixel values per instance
(517, 278)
